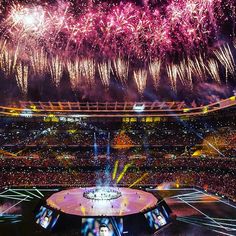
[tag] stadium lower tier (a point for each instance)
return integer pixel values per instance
(109, 162)
(223, 184)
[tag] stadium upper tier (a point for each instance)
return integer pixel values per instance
(113, 109)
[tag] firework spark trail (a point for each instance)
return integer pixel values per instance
(225, 57)
(56, 70)
(87, 70)
(197, 67)
(104, 70)
(6, 62)
(181, 72)
(172, 72)
(140, 78)
(22, 72)
(9, 61)
(74, 73)
(3, 45)
(39, 61)
(2, 49)
(155, 72)
(121, 70)
(189, 74)
(213, 70)
(185, 74)
(201, 65)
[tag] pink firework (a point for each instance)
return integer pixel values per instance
(193, 22)
(126, 29)
(28, 19)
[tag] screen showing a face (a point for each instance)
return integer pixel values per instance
(102, 226)
(46, 218)
(156, 219)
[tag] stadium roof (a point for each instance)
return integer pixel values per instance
(112, 109)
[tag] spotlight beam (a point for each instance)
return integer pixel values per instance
(1, 213)
(32, 194)
(14, 198)
(220, 200)
(138, 180)
(186, 194)
(115, 170)
(18, 193)
(39, 192)
(203, 213)
(205, 221)
(127, 166)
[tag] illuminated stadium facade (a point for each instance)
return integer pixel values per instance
(112, 126)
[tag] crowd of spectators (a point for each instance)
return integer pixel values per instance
(223, 184)
(86, 133)
(85, 153)
(217, 139)
(218, 174)
(140, 161)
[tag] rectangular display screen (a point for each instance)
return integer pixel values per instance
(157, 218)
(46, 218)
(110, 226)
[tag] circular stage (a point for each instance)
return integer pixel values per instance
(102, 201)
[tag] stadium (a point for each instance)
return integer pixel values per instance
(117, 117)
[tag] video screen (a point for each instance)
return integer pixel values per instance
(111, 226)
(46, 218)
(157, 218)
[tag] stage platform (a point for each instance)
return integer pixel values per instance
(102, 201)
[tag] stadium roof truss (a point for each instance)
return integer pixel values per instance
(113, 109)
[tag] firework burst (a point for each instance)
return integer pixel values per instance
(119, 38)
